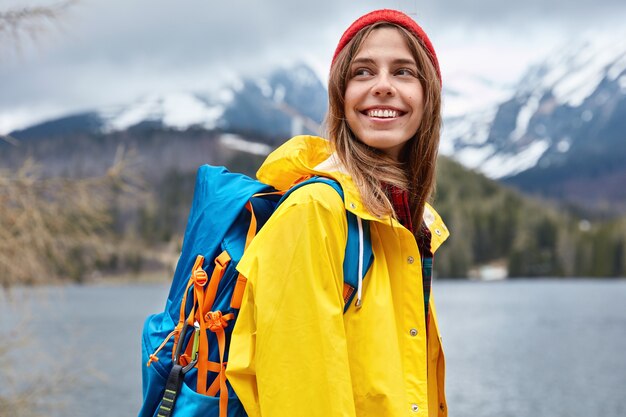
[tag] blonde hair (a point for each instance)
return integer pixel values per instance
(370, 167)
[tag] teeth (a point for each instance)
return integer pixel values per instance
(382, 113)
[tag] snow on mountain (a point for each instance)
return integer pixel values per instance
(575, 73)
(237, 143)
(506, 131)
(469, 106)
(273, 105)
(466, 93)
(177, 111)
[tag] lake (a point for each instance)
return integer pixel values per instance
(514, 348)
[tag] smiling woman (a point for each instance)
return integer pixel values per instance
(386, 64)
(298, 347)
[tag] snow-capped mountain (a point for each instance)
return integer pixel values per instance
(548, 114)
(470, 104)
(559, 131)
(288, 99)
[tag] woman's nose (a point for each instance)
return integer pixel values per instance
(383, 85)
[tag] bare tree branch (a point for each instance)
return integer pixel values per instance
(31, 21)
(13, 20)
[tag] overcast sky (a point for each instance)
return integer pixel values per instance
(106, 52)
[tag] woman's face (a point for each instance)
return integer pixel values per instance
(384, 98)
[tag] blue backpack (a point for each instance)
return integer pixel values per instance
(185, 347)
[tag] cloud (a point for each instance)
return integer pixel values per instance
(103, 52)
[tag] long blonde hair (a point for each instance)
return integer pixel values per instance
(370, 167)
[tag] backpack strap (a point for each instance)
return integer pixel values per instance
(359, 256)
(358, 259)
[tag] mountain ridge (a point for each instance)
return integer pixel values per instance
(558, 131)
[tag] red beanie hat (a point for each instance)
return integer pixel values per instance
(391, 16)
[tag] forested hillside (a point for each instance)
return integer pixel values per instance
(492, 224)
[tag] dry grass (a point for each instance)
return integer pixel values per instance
(53, 227)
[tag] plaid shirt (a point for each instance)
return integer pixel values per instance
(400, 201)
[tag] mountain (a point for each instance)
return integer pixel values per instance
(560, 133)
(288, 99)
(177, 131)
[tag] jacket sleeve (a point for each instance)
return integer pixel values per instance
(288, 354)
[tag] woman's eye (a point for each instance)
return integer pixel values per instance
(406, 72)
(361, 72)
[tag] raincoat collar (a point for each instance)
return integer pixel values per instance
(304, 156)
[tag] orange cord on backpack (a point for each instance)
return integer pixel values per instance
(206, 321)
(217, 323)
(153, 356)
(204, 293)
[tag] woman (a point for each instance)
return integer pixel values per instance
(294, 352)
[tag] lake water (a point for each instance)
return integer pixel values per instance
(513, 349)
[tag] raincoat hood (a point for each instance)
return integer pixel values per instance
(305, 156)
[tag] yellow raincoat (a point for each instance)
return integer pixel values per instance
(293, 351)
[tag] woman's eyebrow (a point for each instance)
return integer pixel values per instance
(399, 61)
(404, 61)
(363, 61)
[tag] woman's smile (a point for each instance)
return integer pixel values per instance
(383, 113)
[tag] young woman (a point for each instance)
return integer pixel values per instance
(293, 351)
